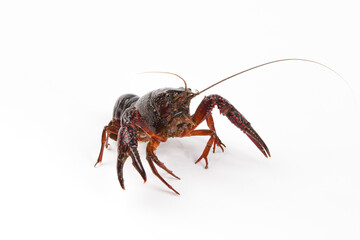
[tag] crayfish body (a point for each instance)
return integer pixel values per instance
(163, 114)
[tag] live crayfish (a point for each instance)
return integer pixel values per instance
(163, 114)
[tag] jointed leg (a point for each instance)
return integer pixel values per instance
(208, 145)
(107, 131)
(217, 141)
(214, 139)
(151, 157)
(150, 152)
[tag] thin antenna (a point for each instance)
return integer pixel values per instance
(171, 74)
(275, 61)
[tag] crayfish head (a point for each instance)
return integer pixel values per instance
(174, 111)
(172, 101)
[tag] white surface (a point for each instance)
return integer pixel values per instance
(64, 63)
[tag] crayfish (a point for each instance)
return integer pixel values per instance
(163, 114)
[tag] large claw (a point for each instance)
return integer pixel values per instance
(120, 164)
(127, 146)
(235, 117)
(134, 154)
(136, 163)
(256, 139)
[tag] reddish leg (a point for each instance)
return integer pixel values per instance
(208, 145)
(151, 157)
(217, 141)
(207, 105)
(150, 151)
(107, 131)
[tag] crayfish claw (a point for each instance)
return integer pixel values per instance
(120, 165)
(137, 163)
(256, 139)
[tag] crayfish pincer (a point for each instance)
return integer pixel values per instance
(163, 114)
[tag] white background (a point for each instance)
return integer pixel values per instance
(64, 63)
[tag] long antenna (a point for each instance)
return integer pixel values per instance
(275, 61)
(171, 74)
